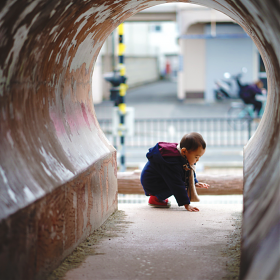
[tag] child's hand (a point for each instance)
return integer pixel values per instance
(202, 185)
(191, 208)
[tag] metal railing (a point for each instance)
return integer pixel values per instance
(215, 131)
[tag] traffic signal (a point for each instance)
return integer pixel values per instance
(116, 80)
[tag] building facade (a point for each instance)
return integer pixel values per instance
(190, 44)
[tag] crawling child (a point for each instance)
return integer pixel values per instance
(170, 171)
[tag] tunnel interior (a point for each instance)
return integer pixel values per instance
(58, 173)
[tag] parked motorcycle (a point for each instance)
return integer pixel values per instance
(228, 87)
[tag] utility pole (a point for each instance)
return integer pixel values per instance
(122, 92)
(117, 94)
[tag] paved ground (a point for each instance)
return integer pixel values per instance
(159, 99)
(155, 243)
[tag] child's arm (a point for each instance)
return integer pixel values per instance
(195, 209)
(202, 185)
(191, 208)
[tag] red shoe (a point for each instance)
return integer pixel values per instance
(155, 202)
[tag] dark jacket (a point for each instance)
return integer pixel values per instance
(164, 171)
(249, 92)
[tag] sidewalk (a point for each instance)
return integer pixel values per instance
(159, 100)
(153, 243)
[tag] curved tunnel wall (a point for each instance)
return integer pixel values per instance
(57, 171)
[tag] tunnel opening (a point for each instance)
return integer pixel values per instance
(48, 127)
(225, 32)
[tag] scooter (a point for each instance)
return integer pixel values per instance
(228, 87)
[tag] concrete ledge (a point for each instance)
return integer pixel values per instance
(129, 183)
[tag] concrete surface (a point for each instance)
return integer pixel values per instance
(159, 99)
(168, 244)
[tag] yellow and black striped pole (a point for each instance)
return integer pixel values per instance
(122, 92)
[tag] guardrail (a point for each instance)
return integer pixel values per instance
(215, 131)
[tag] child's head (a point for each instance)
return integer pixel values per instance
(259, 84)
(192, 147)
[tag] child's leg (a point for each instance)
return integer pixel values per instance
(164, 195)
(160, 200)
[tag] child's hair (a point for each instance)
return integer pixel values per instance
(259, 84)
(192, 141)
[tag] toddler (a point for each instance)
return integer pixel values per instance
(170, 171)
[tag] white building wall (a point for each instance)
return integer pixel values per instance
(206, 60)
(144, 39)
(141, 70)
(228, 55)
(194, 64)
(137, 39)
(97, 92)
(187, 18)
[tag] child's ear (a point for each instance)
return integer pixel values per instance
(183, 150)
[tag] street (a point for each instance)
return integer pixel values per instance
(159, 101)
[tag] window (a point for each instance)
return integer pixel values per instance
(156, 28)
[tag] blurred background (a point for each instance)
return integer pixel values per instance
(182, 62)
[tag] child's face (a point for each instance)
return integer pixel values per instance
(193, 156)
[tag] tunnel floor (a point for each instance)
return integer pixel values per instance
(141, 242)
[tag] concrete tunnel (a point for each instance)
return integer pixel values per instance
(58, 173)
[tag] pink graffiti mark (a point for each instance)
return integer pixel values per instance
(85, 115)
(58, 123)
